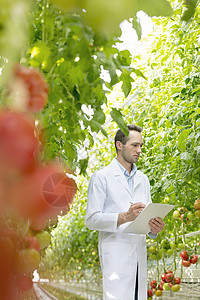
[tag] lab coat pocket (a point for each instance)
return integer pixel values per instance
(116, 258)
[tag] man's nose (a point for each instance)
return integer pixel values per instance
(139, 149)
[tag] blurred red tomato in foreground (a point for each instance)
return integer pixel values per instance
(31, 88)
(43, 194)
(6, 261)
(18, 143)
(24, 283)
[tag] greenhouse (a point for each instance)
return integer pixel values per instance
(99, 117)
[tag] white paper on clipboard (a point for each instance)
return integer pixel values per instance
(152, 210)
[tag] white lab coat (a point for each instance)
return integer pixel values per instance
(120, 253)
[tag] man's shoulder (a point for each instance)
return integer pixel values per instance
(104, 170)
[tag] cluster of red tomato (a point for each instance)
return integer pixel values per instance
(31, 192)
(29, 89)
(168, 282)
(187, 259)
(183, 214)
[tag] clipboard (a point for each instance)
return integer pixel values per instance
(152, 210)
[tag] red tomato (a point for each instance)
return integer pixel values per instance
(7, 249)
(32, 242)
(160, 286)
(149, 293)
(170, 284)
(177, 280)
(186, 263)
(36, 87)
(13, 235)
(153, 283)
(169, 277)
(24, 283)
(193, 259)
(44, 193)
(163, 277)
(38, 223)
(37, 102)
(18, 142)
(184, 255)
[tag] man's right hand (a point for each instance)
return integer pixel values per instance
(132, 213)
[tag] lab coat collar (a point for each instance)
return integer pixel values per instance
(117, 172)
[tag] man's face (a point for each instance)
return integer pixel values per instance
(131, 151)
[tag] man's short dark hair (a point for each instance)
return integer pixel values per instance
(121, 137)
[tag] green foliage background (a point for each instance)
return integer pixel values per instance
(165, 102)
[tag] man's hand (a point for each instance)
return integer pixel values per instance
(156, 225)
(132, 213)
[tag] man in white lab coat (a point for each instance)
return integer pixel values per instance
(116, 195)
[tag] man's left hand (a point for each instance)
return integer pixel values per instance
(156, 225)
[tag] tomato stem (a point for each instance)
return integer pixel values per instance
(164, 263)
(158, 273)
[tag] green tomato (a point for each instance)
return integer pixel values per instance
(190, 215)
(166, 200)
(197, 213)
(153, 256)
(152, 249)
(166, 286)
(181, 246)
(160, 253)
(172, 245)
(170, 252)
(175, 288)
(44, 239)
(176, 214)
(158, 293)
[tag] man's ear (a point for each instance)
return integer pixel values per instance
(119, 145)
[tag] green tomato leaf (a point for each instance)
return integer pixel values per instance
(189, 10)
(126, 81)
(138, 72)
(170, 189)
(124, 58)
(137, 26)
(182, 139)
(83, 163)
(118, 118)
(99, 116)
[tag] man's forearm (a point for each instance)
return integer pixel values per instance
(122, 218)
